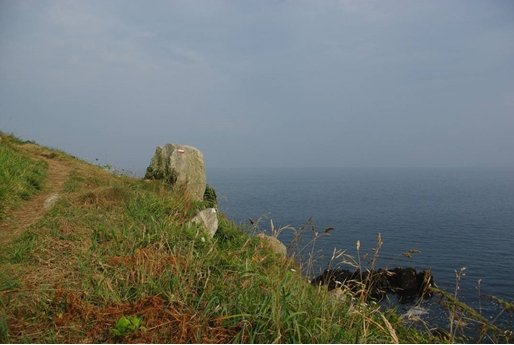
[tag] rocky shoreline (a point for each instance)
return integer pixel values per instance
(407, 283)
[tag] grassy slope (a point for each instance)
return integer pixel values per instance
(115, 246)
(20, 176)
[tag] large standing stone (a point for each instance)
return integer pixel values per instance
(180, 166)
(207, 219)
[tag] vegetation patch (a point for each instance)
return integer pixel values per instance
(126, 325)
(4, 329)
(20, 176)
(8, 282)
(22, 247)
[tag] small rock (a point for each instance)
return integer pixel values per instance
(337, 294)
(274, 243)
(50, 201)
(49, 155)
(208, 219)
(414, 314)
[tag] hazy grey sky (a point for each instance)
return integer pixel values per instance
(263, 83)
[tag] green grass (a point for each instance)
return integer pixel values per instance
(114, 247)
(8, 282)
(21, 249)
(4, 330)
(20, 176)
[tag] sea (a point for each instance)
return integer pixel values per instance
(448, 220)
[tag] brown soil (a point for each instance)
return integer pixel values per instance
(32, 210)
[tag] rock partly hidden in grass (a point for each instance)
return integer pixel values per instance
(208, 220)
(274, 244)
(181, 167)
(51, 200)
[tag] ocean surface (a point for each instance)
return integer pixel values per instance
(455, 218)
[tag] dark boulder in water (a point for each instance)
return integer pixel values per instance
(407, 283)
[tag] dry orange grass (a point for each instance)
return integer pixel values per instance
(164, 322)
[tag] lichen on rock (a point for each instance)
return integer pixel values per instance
(181, 167)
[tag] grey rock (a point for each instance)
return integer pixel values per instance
(50, 201)
(338, 294)
(207, 219)
(414, 314)
(274, 244)
(180, 166)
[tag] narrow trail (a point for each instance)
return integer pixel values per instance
(32, 210)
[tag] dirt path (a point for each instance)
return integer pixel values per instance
(32, 210)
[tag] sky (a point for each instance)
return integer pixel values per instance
(263, 83)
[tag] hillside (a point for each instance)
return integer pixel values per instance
(92, 256)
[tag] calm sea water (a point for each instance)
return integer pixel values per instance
(455, 217)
